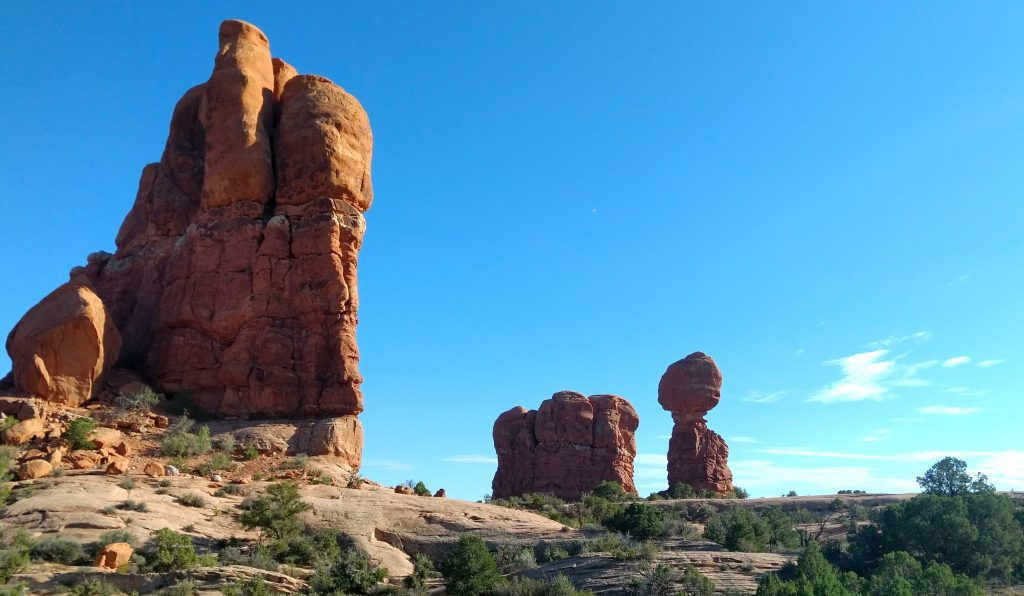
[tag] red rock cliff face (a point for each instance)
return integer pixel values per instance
(697, 455)
(566, 447)
(234, 278)
(235, 272)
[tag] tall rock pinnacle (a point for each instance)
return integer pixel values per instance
(697, 455)
(234, 278)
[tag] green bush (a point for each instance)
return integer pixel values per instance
(351, 573)
(94, 587)
(681, 490)
(14, 554)
(259, 558)
(948, 477)
(250, 452)
(546, 552)
(656, 580)
(253, 587)
(739, 529)
(513, 559)
(180, 441)
(276, 513)
(610, 490)
(229, 489)
(471, 569)
(191, 500)
(78, 432)
(140, 402)
(696, 584)
(58, 549)
(642, 522)
(621, 547)
(740, 493)
(171, 551)
(422, 571)
(521, 586)
(421, 489)
(130, 505)
(310, 548)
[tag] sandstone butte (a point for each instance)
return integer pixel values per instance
(234, 276)
(566, 447)
(697, 455)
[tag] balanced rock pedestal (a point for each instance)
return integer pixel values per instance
(697, 455)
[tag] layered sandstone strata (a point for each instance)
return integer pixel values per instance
(234, 278)
(697, 455)
(566, 447)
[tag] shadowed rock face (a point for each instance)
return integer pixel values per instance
(234, 278)
(566, 447)
(697, 455)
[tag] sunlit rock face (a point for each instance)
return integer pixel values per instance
(565, 448)
(697, 455)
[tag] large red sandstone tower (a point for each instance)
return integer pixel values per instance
(234, 278)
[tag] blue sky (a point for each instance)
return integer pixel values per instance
(824, 197)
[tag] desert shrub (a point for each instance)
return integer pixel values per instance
(470, 570)
(299, 462)
(140, 402)
(126, 483)
(8, 456)
(58, 549)
(130, 505)
(696, 584)
(522, 586)
(642, 522)
(621, 547)
(171, 551)
(180, 441)
(513, 559)
(218, 462)
(275, 513)
(309, 548)
(184, 587)
(7, 423)
(739, 529)
(260, 558)
(78, 432)
(191, 500)
(740, 493)
(351, 573)
(421, 489)
(250, 452)
(422, 571)
(253, 587)
(225, 443)
(229, 489)
(93, 587)
(813, 575)
(610, 490)
(656, 580)
(14, 553)
(681, 490)
(546, 552)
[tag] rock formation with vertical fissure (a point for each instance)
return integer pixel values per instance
(234, 278)
(566, 447)
(697, 455)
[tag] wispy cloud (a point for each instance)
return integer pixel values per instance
(956, 361)
(990, 363)
(898, 339)
(742, 440)
(948, 410)
(760, 397)
(1005, 469)
(472, 459)
(871, 376)
(384, 464)
(798, 352)
(877, 435)
(758, 473)
(906, 420)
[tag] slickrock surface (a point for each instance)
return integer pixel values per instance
(697, 455)
(234, 279)
(566, 447)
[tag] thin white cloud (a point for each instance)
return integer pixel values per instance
(651, 459)
(877, 435)
(384, 464)
(898, 339)
(798, 352)
(1005, 469)
(759, 397)
(472, 459)
(823, 480)
(956, 361)
(948, 410)
(906, 420)
(742, 440)
(663, 437)
(990, 363)
(871, 376)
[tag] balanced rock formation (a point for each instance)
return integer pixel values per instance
(565, 448)
(234, 278)
(64, 344)
(697, 455)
